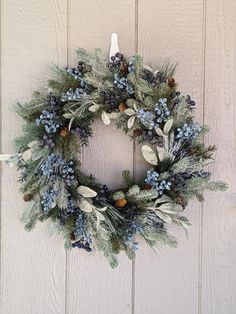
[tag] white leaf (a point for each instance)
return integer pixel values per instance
(184, 224)
(168, 126)
(102, 209)
(159, 132)
(37, 154)
(94, 108)
(113, 115)
(85, 205)
(67, 115)
(166, 218)
(164, 198)
(130, 112)
(4, 156)
(27, 154)
(147, 67)
(135, 107)
(149, 155)
(105, 118)
(130, 121)
(99, 218)
(70, 123)
(33, 144)
(86, 192)
(170, 208)
(162, 153)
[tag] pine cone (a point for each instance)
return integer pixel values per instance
(64, 132)
(137, 132)
(122, 107)
(171, 82)
(72, 236)
(180, 200)
(147, 187)
(124, 68)
(27, 197)
(121, 203)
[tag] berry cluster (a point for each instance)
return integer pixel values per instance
(80, 232)
(48, 199)
(147, 118)
(49, 120)
(53, 102)
(162, 111)
(68, 171)
(47, 142)
(110, 99)
(160, 186)
(82, 245)
(72, 95)
(55, 166)
(131, 66)
(189, 101)
(133, 228)
(188, 131)
(122, 83)
(117, 61)
(83, 133)
(102, 194)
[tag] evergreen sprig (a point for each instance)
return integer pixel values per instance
(147, 106)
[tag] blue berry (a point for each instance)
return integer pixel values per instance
(188, 131)
(49, 120)
(55, 166)
(47, 142)
(146, 118)
(122, 83)
(73, 94)
(131, 67)
(48, 199)
(162, 111)
(159, 185)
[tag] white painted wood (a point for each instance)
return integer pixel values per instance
(32, 264)
(93, 287)
(167, 282)
(197, 277)
(219, 211)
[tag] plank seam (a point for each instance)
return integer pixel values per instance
(134, 151)
(67, 63)
(203, 121)
(1, 299)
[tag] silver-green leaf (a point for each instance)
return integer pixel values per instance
(86, 192)
(168, 126)
(149, 155)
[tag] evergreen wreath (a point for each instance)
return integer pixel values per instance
(147, 106)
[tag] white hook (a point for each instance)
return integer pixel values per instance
(114, 45)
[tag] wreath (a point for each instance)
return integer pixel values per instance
(145, 105)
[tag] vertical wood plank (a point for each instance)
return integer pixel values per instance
(93, 287)
(168, 282)
(33, 33)
(219, 214)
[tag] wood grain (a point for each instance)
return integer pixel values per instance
(167, 282)
(219, 223)
(92, 286)
(32, 264)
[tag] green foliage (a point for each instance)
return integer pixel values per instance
(85, 212)
(61, 81)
